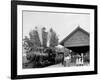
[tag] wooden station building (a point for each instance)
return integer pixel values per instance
(78, 41)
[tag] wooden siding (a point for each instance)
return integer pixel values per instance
(78, 37)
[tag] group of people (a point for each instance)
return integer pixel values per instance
(78, 60)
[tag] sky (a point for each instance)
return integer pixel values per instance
(62, 23)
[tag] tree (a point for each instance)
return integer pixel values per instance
(54, 38)
(34, 37)
(44, 37)
(33, 42)
(30, 45)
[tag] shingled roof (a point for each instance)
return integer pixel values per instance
(73, 33)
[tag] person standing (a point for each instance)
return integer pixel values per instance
(67, 60)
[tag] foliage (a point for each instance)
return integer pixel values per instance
(44, 37)
(32, 43)
(54, 38)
